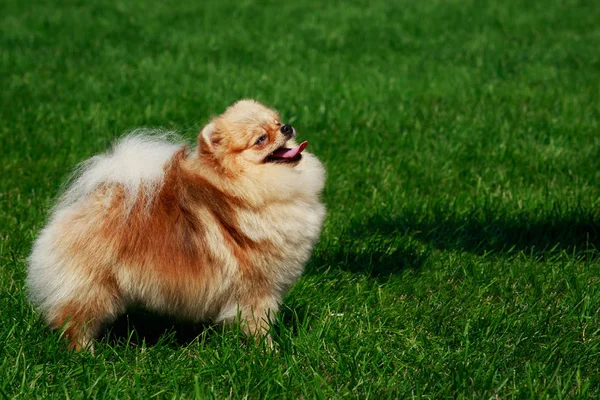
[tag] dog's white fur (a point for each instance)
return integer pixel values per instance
(136, 163)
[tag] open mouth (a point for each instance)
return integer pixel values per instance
(286, 154)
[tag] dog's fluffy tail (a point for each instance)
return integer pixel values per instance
(136, 162)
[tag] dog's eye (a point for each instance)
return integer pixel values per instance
(261, 139)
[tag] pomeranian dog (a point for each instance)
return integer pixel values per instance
(212, 234)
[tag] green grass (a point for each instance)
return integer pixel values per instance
(461, 253)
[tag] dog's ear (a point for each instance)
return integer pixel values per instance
(209, 138)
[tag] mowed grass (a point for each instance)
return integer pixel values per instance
(460, 256)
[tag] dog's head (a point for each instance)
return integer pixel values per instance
(254, 155)
(249, 134)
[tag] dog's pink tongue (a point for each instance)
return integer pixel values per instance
(285, 152)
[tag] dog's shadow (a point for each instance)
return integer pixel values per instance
(142, 327)
(380, 246)
(377, 246)
(480, 232)
(486, 232)
(377, 253)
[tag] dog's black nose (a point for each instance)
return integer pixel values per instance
(287, 129)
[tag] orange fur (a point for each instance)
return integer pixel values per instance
(225, 233)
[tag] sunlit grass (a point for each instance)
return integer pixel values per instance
(460, 256)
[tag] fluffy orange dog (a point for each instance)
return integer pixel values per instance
(209, 234)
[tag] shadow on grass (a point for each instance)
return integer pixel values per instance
(381, 245)
(378, 248)
(482, 232)
(139, 327)
(376, 263)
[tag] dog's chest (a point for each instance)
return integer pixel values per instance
(294, 223)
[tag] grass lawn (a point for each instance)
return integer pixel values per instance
(461, 252)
